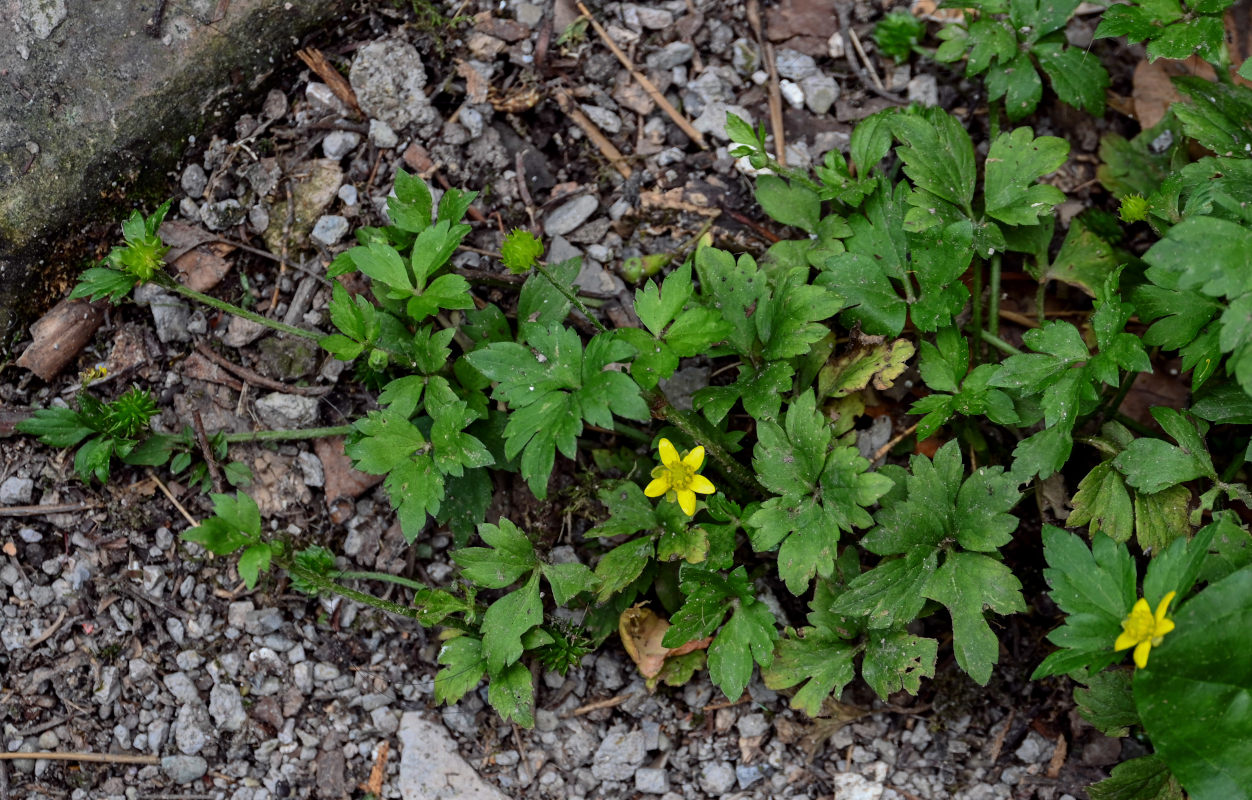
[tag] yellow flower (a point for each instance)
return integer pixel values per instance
(677, 478)
(1143, 631)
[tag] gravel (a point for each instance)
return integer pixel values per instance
(388, 77)
(286, 411)
(619, 755)
(16, 491)
(566, 218)
(717, 778)
(184, 769)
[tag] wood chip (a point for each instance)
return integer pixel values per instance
(331, 77)
(1058, 757)
(59, 335)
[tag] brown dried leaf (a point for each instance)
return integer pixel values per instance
(642, 631)
(342, 481)
(203, 268)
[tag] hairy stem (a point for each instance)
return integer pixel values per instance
(993, 307)
(571, 296)
(230, 308)
(699, 431)
(326, 584)
(976, 319)
(386, 577)
(289, 435)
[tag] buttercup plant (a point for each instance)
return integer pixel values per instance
(899, 250)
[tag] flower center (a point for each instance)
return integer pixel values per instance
(680, 476)
(1141, 627)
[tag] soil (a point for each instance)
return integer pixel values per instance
(119, 639)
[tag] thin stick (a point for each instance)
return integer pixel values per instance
(648, 86)
(727, 703)
(597, 138)
(99, 758)
(165, 491)
(842, 9)
(775, 93)
(202, 438)
(48, 633)
(882, 452)
(869, 65)
(256, 379)
(599, 704)
(51, 508)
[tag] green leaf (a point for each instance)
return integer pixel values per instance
(747, 637)
(1077, 76)
(56, 427)
(1194, 694)
(465, 503)
(1107, 702)
(512, 694)
(898, 660)
(1151, 465)
(569, 580)
(410, 209)
(381, 262)
(416, 489)
(790, 204)
(890, 594)
(252, 562)
(540, 301)
(938, 157)
(655, 310)
(1161, 518)
(866, 293)
(463, 668)
(869, 359)
(507, 620)
(387, 439)
(732, 288)
(239, 511)
(1144, 778)
(103, 282)
(1018, 83)
(823, 663)
(1103, 503)
(622, 565)
(965, 584)
(1015, 162)
(509, 556)
(217, 536)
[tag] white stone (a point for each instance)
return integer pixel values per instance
(851, 786)
(820, 92)
(16, 491)
(382, 136)
(794, 65)
(567, 217)
(329, 229)
(712, 120)
(792, 93)
(338, 144)
(924, 89)
(605, 120)
(432, 769)
(285, 411)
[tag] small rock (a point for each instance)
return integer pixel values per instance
(192, 729)
(820, 92)
(924, 89)
(753, 725)
(717, 778)
(1102, 751)
(1034, 749)
(388, 77)
(263, 621)
(323, 99)
(745, 57)
(619, 755)
(258, 218)
(226, 707)
(311, 469)
(222, 214)
(712, 120)
(657, 19)
(566, 218)
(851, 786)
(348, 194)
(431, 767)
(17, 491)
(473, 121)
(794, 65)
(109, 688)
(382, 136)
(650, 780)
(170, 315)
(29, 535)
(834, 45)
(329, 229)
(194, 180)
(792, 93)
(275, 104)
(284, 411)
(747, 775)
(671, 55)
(184, 769)
(181, 686)
(609, 672)
(529, 14)
(338, 144)
(606, 120)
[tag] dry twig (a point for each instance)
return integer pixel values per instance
(775, 93)
(599, 704)
(330, 76)
(50, 508)
(597, 138)
(648, 86)
(99, 758)
(165, 491)
(258, 380)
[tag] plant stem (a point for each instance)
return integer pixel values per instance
(231, 308)
(976, 320)
(999, 344)
(326, 584)
(571, 296)
(993, 307)
(631, 432)
(698, 430)
(386, 577)
(1041, 302)
(1114, 403)
(289, 435)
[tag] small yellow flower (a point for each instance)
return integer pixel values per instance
(1143, 631)
(677, 478)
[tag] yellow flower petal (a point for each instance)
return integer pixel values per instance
(1124, 641)
(656, 488)
(1163, 627)
(1161, 611)
(695, 458)
(669, 456)
(1141, 654)
(701, 484)
(687, 502)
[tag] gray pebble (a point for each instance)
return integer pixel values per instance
(382, 136)
(170, 315)
(192, 729)
(338, 144)
(222, 214)
(1034, 749)
(16, 491)
(259, 218)
(716, 778)
(387, 77)
(753, 725)
(794, 65)
(29, 535)
(329, 229)
(184, 769)
(650, 780)
(671, 55)
(285, 411)
(194, 180)
(820, 92)
(567, 217)
(747, 775)
(348, 194)
(924, 89)
(226, 706)
(619, 755)
(608, 121)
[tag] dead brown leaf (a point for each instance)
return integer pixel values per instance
(642, 631)
(203, 268)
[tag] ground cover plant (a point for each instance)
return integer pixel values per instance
(894, 274)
